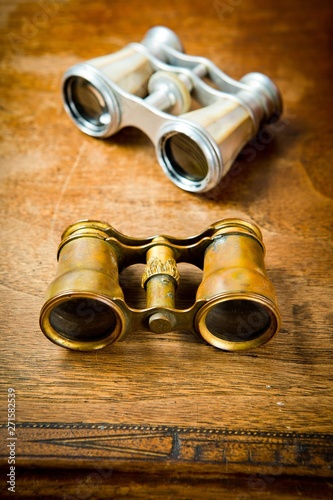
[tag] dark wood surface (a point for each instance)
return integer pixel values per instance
(165, 416)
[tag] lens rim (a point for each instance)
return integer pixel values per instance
(208, 147)
(81, 345)
(102, 86)
(208, 336)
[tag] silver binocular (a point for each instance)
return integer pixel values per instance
(235, 306)
(197, 117)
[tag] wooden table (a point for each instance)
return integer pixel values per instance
(162, 415)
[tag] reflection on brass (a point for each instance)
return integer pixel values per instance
(150, 85)
(235, 307)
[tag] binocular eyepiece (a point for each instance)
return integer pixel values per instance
(235, 307)
(151, 85)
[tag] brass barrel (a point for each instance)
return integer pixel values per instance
(241, 308)
(80, 312)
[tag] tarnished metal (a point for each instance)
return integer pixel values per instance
(235, 307)
(149, 85)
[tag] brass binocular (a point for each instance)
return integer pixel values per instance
(197, 117)
(235, 307)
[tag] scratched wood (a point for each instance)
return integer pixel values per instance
(165, 404)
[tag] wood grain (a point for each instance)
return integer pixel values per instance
(275, 401)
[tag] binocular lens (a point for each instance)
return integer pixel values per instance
(185, 157)
(86, 102)
(237, 320)
(83, 319)
(237, 324)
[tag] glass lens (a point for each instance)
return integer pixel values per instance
(238, 320)
(88, 102)
(83, 319)
(186, 157)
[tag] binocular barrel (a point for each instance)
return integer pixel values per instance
(81, 310)
(151, 85)
(90, 88)
(235, 307)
